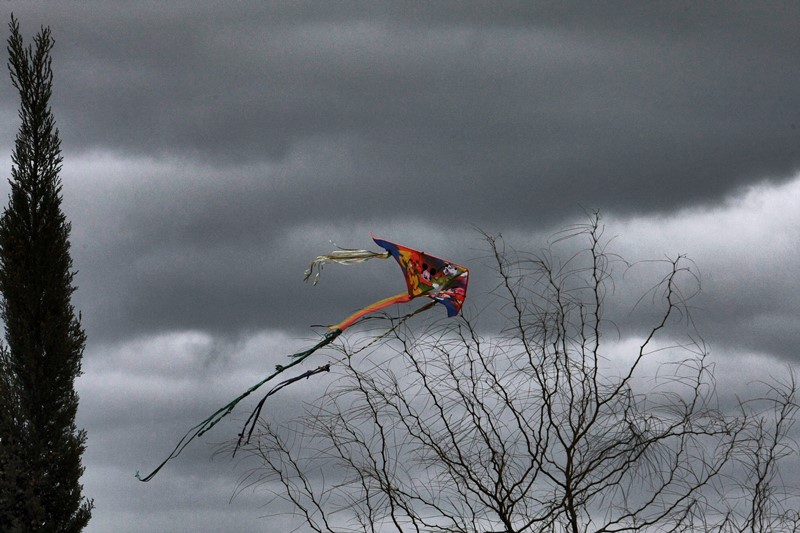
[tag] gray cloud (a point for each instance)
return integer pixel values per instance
(534, 109)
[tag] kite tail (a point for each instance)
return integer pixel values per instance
(252, 420)
(403, 297)
(343, 256)
(221, 413)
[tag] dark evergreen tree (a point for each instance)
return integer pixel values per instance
(40, 445)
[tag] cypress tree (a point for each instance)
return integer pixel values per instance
(40, 445)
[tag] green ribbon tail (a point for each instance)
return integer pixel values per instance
(221, 413)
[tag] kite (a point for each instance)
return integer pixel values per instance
(444, 282)
(425, 275)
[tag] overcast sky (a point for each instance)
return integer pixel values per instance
(212, 148)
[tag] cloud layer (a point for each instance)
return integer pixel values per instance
(211, 151)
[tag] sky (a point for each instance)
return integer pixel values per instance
(211, 149)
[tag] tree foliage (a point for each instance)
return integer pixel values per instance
(560, 422)
(41, 448)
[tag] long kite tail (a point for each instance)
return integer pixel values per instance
(219, 414)
(403, 297)
(252, 420)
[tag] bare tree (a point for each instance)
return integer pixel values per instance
(542, 427)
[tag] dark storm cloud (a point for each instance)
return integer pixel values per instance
(212, 150)
(196, 136)
(238, 123)
(532, 108)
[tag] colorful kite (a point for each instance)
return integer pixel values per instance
(442, 281)
(425, 275)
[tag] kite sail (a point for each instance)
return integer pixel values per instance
(444, 282)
